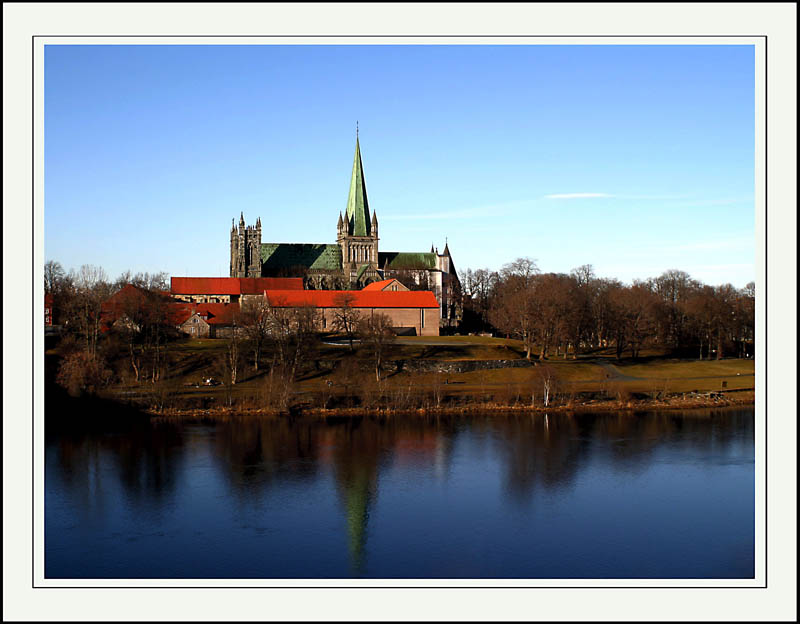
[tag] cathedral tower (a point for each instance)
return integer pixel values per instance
(246, 249)
(357, 232)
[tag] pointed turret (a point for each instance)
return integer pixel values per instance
(431, 247)
(357, 213)
(374, 227)
(339, 223)
(446, 249)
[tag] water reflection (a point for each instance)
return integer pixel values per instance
(256, 454)
(144, 461)
(253, 459)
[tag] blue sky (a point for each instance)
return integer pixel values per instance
(636, 159)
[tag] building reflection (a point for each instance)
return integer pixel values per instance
(358, 449)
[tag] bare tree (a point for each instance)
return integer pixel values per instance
(148, 281)
(82, 308)
(143, 318)
(746, 315)
(725, 297)
(53, 276)
(584, 330)
(700, 312)
(377, 335)
(673, 288)
(548, 379)
(293, 336)
(634, 308)
(513, 306)
(553, 310)
(233, 353)
(479, 287)
(81, 372)
(345, 315)
(255, 322)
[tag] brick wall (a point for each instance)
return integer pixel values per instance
(400, 317)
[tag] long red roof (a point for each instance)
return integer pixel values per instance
(360, 298)
(232, 285)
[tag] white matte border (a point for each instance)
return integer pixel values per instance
(776, 21)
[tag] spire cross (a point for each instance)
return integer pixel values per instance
(356, 128)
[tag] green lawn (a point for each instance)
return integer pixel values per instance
(676, 369)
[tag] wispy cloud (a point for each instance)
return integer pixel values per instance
(577, 195)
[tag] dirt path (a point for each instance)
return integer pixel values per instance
(613, 373)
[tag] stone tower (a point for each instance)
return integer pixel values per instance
(246, 249)
(356, 232)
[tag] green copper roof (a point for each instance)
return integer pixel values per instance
(406, 260)
(357, 213)
(361, 270)
(308, 255)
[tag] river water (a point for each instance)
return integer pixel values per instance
(648, 495)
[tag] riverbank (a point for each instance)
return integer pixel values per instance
(677, 402)
(456, 375)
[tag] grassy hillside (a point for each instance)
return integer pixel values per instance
(335, 375)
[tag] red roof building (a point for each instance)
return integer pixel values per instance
(228, 289)
(356, 298)
(130, 306)
(48, 310)
(411, 311)
(201, 320)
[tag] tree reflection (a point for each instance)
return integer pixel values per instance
(256, 453)
(97, 463)
(550, 451)
(541, 450)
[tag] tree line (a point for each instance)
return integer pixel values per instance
(565, 315)
(79, 303)
(552, 314)
(139, 327)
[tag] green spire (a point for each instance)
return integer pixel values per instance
(357, 214)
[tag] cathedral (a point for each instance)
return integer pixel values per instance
(353, 261)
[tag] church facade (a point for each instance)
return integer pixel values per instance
(354, 261)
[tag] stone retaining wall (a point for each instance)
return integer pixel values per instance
(457, 366)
